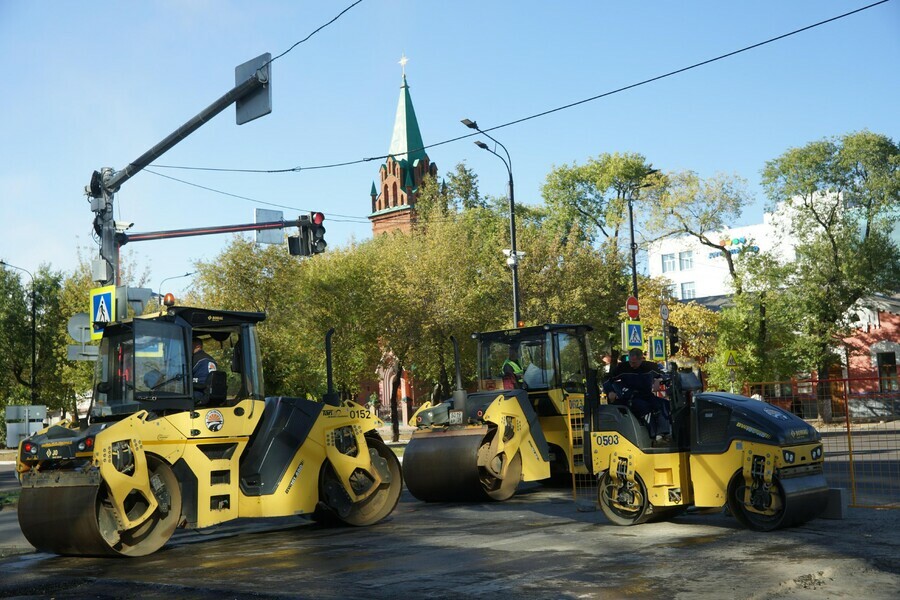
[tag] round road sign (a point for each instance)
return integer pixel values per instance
(664, 312)
(632, 307)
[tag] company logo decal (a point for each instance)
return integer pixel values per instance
(777, 414)
(799, 433)
(214, 420)
(294, 478)
(754, 430)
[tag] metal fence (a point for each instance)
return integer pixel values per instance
(861, 437)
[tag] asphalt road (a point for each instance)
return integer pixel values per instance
(536, 545)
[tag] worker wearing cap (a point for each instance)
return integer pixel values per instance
(203, 365)
(643, 378)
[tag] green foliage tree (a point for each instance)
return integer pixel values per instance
(701, 209)
(841, 198)
(591, 200)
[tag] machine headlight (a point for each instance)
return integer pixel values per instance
(789, 457)
(816, 453)
(86, 444)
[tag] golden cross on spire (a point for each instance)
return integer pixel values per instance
(402, 63)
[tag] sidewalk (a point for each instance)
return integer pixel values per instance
(387, 434)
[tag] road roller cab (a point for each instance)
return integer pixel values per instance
(763, 463)
(157, 452)
(523, 423)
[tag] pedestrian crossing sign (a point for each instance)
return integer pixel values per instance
(731, 359)
(632, 335)
(103, 309)
(657, 348)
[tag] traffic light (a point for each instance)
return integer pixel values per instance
(298, 245)
(674, 340)
(317, 242)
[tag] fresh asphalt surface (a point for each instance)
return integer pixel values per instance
(536, 545)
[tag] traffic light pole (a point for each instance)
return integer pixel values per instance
(106, 182)
(176, 233)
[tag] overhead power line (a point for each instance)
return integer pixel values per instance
(331, 216)
(298, 169)
(317, 30)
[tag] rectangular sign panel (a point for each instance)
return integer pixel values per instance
(632, 335)
(103, 309)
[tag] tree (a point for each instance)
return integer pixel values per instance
(462, 187)
(592, 199)
(841, 197)
(702, 209)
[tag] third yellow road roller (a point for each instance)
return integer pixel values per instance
(763, 463)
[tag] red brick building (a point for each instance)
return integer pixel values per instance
(872, 352)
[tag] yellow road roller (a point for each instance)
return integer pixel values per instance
(479, 446)
(762, 462)
(157, 453)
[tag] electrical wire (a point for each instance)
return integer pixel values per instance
(331, 216)
(339, 15)
(536, 115)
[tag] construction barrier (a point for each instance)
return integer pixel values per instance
(859, 420)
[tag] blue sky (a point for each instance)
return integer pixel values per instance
(95, 84)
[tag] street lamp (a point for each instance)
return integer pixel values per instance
(3, 263)
(513, 260)
(634, 288)
(188, 274)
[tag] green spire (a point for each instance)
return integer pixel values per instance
(406, 143)
(374, 191)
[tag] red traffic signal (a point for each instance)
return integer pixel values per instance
(317, 241)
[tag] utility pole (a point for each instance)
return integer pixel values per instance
(253, 94)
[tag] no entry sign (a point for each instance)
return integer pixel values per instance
(632, 307)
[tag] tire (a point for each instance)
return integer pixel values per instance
(376, 506)
(153, 533)
(621, 506)
(503, 489)
(748, 513)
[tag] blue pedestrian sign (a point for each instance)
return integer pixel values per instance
(103, 309)
(657, 348)
(632, 335)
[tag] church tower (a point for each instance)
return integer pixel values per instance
(394, 199)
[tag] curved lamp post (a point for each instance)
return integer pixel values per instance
(513, 260)
(188, 274)
(3, 263)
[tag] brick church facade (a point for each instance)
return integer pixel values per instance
(394, 198)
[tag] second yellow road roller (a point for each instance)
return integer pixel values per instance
(523, 423)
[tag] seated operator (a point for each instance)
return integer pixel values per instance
(643, 379)
(203, 364)
(512, 371)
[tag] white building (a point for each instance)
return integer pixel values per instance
(698, 271)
